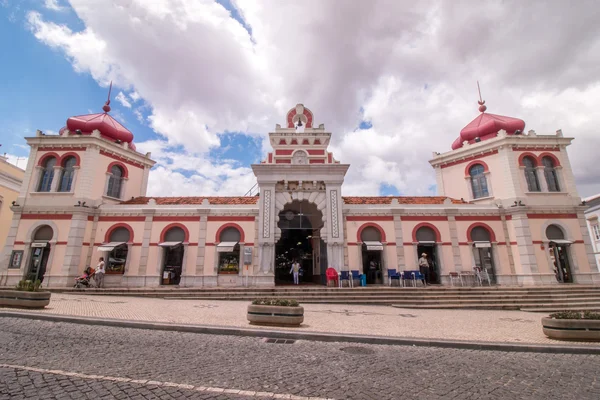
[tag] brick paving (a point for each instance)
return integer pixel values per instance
(466, 325)
(36, 355)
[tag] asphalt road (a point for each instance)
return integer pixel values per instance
(47, 360)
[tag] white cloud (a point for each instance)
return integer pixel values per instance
(53, 5)
(19, 161)
(198, 175)
(123, 100)
(134, 96)
(411, 66)
(138, 114)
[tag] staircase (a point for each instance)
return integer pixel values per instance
(534, 299)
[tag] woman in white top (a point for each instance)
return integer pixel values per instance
(100, 273)
(296, 270)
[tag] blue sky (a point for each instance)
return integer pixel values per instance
(40, 89)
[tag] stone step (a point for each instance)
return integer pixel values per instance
(550, 308)
(401, 299)
(398, 295)
(491, 289)
(523, 306)
(403, 291)
(415, 304)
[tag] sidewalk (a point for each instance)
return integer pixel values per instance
(500, 327)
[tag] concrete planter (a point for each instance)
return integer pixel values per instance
(275, 315)
(18, 298)
(572, 329)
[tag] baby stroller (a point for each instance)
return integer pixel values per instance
(86, 280)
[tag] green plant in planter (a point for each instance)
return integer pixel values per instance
(276, 302)
(575, 315)
(28, 285)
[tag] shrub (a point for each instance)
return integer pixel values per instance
(276, 302)
(575, 315)
(29, 285)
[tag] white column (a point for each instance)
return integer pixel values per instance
(145, 250)
(539, 170)
(335, 234)
(527, 256)
(401, 261)
(56, 178)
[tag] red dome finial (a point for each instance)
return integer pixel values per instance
(106, 106)
(481, 102)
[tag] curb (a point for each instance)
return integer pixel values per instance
(311, 336)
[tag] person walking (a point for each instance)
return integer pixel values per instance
(100, 273)
(424, 267)
(296, 271)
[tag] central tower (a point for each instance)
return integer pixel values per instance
(300, 174)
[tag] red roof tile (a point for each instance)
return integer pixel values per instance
(401, 200)
(163, 201)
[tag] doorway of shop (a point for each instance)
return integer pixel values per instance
(40, 252)
(300, 224)
(559, 253)
(371, 252)
(430, 251)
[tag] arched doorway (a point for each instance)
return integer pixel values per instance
(371, 251)
(40, 251)
(427, 239)
(117, 249)
(229, 251)
(558, 250)
(300, 223)
(172, 247)
(482, 251)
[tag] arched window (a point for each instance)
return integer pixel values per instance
(370, 234)
(533, 184)
(480, 234)
(67, 175)
(478, 181)
(425, 234)
(550, 174)
(115, 182)
(175, 234)
(43, 234)
(47, 175)
(555, 232)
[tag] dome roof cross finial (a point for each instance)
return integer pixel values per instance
(481, 102)
(106, 107)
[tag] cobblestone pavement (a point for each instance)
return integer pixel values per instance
(41, 359)
(469, 325)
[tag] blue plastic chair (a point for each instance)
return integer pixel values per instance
(392, 274)
(419, 277)
(408, 276)
(345, 276)
(355, 277)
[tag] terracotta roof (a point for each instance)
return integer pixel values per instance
(163, 201)
(401, 200)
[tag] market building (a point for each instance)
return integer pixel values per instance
(507, 204)
(11, 178)
(592, 214)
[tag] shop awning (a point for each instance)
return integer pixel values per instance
(483, 244)
(376, 246)
(561, 241)
(39, 244)
(109, 246)
(169, 244)
(226, 247)
(426, 241)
